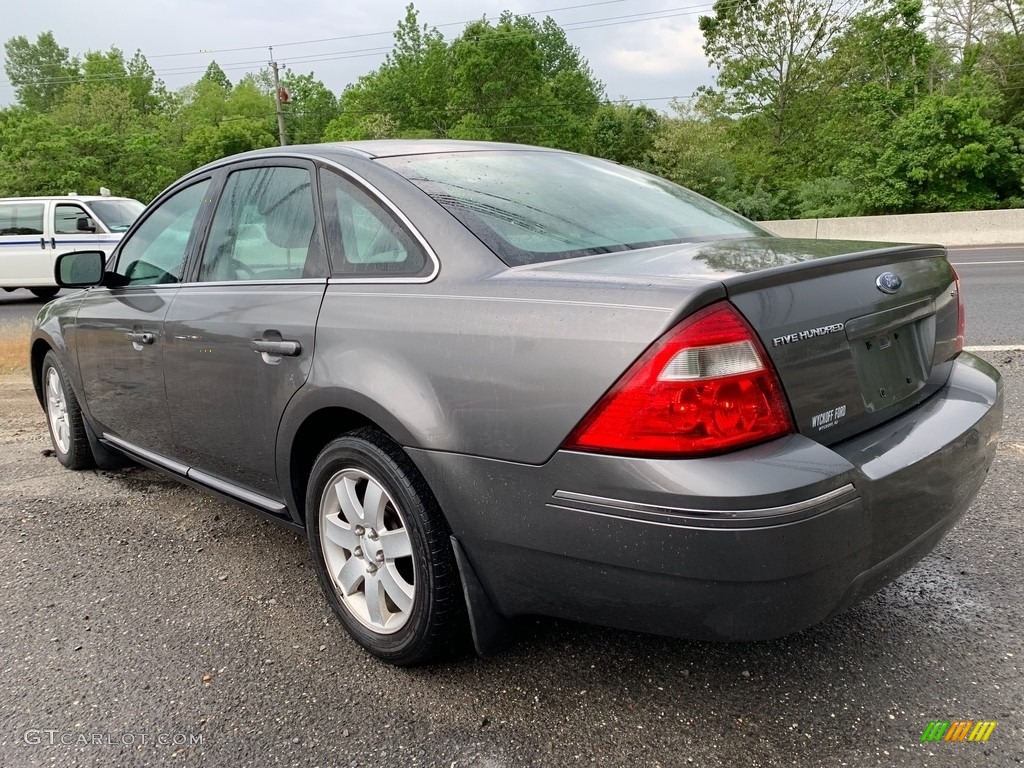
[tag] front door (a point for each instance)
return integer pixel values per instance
(240, 336)
(75, 229)
(119, 336)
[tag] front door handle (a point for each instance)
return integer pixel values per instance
(281, 348)
(145, 337)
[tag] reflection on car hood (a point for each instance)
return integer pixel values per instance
(711, 260)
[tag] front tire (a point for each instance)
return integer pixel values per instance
(45, 293)
(382, 550)
(64, 417)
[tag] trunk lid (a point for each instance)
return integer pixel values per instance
(857, 336)
(858, 332)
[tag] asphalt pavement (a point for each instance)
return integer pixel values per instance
(147, 624)
(993, 285)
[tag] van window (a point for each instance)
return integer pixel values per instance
(118, 215)
(21, 218)
(65, 219)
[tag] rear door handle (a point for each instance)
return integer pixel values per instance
(277, 348)
(144, 337)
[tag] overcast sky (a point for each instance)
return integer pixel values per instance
(643, 50)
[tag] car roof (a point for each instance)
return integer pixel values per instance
(79, 198)
(393, 148)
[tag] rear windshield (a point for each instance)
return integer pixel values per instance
(531, 207)
(118, 215)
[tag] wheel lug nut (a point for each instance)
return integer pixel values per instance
(380, 556)
(371, 568)
(357, 552)
(359, 530)
(372, 533)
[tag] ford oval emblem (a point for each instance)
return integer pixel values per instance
(888, 282)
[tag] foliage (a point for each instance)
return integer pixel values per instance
(820, 107)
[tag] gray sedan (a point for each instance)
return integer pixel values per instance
(491, 380)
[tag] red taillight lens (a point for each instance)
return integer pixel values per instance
(961, 319)
(705, 387)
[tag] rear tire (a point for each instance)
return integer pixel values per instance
(382, 550)
(45, 293)
(64, 417)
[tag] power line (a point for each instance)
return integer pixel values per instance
(375, 51)
(378, 34)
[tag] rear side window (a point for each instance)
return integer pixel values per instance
(264, 228)
(363, 239)
(21, 218)
(533, 206)
(155, 252)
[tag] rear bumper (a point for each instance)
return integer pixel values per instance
(752, 545)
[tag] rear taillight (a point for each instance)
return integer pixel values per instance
(705, 387)
(961, 319)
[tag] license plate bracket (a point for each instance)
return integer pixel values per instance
(892, 364)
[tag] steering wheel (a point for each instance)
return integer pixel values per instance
(240, 269)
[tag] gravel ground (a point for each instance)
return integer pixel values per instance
(136, 610)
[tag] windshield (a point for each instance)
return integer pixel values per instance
(535, 206)
(118, 215)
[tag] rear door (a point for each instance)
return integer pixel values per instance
(24, 258)
(240, 334)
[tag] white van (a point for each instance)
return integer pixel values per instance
(35, 230)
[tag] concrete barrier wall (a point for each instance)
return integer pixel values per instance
(950, 229)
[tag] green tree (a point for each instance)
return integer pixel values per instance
(310, 109)
(214, 74)
(948, 154)
(625, 133)
(769, 55)
(519, 80)
(40, 72)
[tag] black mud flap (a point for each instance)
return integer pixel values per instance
(490, 629)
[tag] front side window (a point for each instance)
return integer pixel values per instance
(264, 228)
(530, 207)
(362, 238)
(155, 252)
(66, 218)
(21, 218)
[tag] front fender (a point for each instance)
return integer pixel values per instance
(54, 328)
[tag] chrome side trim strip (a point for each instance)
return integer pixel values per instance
(222, 487)
(718, 518)
(152, 458)
(230, 489)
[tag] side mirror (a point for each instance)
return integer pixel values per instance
(80, 269)
(85, 224)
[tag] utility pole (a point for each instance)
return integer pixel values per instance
(277, 100)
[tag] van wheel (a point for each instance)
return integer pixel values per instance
(382, 551)
(45, 293)
(64, 417)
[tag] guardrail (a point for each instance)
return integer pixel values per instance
(950, 229)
